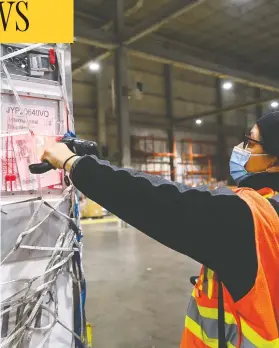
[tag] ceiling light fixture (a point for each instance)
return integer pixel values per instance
(227, 85)
(198, 121)
(94, 66)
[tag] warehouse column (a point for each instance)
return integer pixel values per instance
(168, 73)
(121, 89)
(102, 95)
(259, 107)
(222, 148)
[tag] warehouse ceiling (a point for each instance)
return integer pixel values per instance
(238, 38)
(246, 31)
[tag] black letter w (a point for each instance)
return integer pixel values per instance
(3, 19)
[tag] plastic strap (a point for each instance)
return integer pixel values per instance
(34, 300)
(63, 85)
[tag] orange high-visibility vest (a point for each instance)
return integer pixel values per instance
(253, 321)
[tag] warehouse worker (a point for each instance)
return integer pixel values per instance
(234, 235)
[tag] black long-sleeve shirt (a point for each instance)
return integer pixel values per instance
(214, 228)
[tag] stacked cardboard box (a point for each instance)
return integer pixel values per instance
(91, 209)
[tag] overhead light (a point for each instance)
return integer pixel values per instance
(227, 85)
(274, 104)
(199, 121)
(94, 66)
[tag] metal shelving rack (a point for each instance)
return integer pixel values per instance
(192, 158)
(150, 155)
(195, 161)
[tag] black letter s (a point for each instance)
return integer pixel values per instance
(22, 16)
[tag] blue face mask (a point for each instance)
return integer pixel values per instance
(238, 161)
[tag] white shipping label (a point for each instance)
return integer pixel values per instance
(40, 119)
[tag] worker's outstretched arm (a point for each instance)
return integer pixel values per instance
(214, 229)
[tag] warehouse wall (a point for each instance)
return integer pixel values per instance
(194, 93)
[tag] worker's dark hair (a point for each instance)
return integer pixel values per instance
(269, 129)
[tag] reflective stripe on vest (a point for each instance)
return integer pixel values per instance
(203, 323)
(208, 282)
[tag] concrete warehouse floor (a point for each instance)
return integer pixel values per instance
(137, 289)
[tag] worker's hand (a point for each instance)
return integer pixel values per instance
(57, 155)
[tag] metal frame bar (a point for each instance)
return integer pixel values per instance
(259, 107)
(121, 89)
(222, 148)
(168, 74)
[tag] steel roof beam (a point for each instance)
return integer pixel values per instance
(154, 22)
(156, 51)
(223, 110)
(107, 40)
(95, 37)
(154, 48)
(143, 119)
